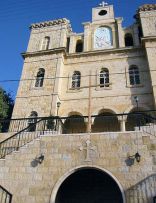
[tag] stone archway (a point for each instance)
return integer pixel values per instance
(88, 185)
(106, 122)
(134, 119)
(74, 124)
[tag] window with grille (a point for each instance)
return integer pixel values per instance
(40, 78)
(45, 44)
(76, 79)
(104, 78)
(134, 76)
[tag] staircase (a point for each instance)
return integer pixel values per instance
(144, 191)
(28, 134)
(5, 196)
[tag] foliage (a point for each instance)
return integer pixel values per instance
(6, 107)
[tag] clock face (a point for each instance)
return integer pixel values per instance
(103, 38)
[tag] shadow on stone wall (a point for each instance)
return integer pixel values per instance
(144, 191)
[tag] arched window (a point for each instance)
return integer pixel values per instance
(128, 40)
(32, 121)
(134, 76)
(79, 46)
(40, 78)
(104, 78)
(45, 44)
(103, 38)
(76, 79)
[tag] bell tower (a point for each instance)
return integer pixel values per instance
(105, 31)
(147, 17)
(103, 12)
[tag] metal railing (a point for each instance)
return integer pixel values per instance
(30, 129)
(110, 122)
(5, 196)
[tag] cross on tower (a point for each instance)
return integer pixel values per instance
(103, 4)
(88, 148)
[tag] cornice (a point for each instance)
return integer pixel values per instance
(44, 52)
(52, 23)
(149, 38)
(106, 52)
(82, 54)
(146, 7)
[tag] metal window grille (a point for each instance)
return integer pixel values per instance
(76, 79)
(104, 78)
(40, 78)
(134, 76)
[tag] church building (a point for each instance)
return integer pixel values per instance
(83, 125)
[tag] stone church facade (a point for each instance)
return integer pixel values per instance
(107, 70)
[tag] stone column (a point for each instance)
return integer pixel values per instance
(63, 37)
(87, 123)
(122, 120)
(86, 36)
(120, 32)
(59, 127)
(114, 37)
(72, 44)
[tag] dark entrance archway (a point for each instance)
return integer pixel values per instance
(89, 186)
(74, 124)
(106, 122)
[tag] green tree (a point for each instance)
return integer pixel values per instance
(6, 107)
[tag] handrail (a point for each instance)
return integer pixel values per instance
(5, 195)
(26, 135)
(18, 133)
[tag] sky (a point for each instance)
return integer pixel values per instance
(17, 15)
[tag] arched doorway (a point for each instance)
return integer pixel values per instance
(137, 118)
(74, 124)
(89, 185)
(106, 122)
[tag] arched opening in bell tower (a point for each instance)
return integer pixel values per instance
(89, 185)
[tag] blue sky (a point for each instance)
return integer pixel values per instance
(17, 15)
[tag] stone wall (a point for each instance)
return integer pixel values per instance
(63, 154)
(4, 136)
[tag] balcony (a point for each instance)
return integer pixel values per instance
(79, 124)
(16, 133)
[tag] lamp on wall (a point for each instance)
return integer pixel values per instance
(58, 106)
(136, 156)
(39, 159)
